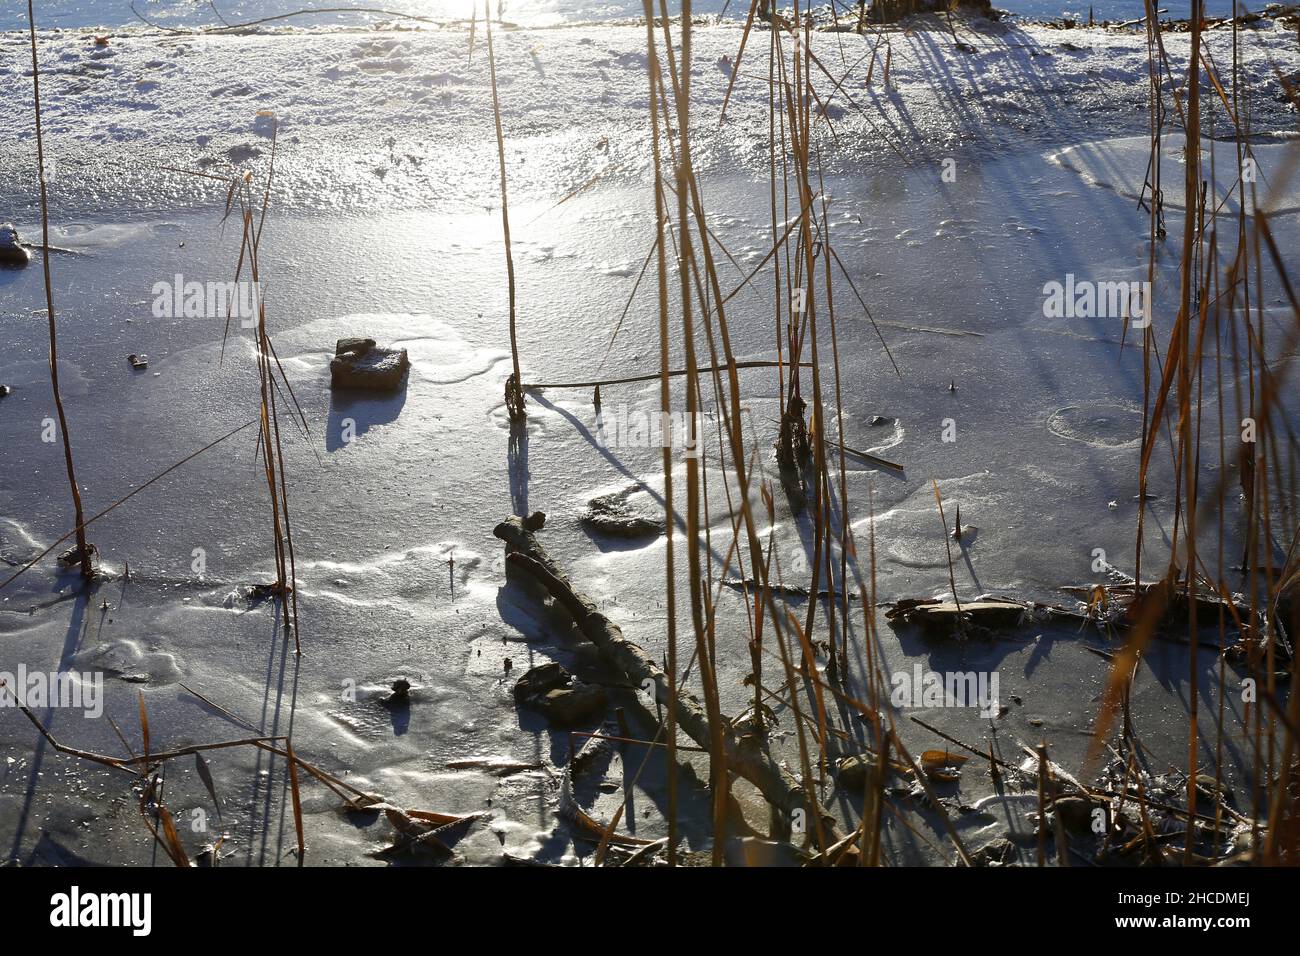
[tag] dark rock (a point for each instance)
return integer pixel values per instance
(572, 705)
(611, 515)
(1075, 813)
(361, 364)
(355, 346)
(1023, 838)
(999, 852)
(552, 691)
(72, 556)
(1210, 789)
(535, 521)
(401, 695)
(12, 251)
(854, 772)
(538, 680)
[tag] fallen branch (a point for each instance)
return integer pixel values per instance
(744, 757)
(867, 456)
(654, 376)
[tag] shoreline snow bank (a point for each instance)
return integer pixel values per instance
(372, 120)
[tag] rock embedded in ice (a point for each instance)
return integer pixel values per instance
(72, 556)
(854, 772)
(552, 691)
(1076, 813)
(566, 706)
(401, 695)
(947, 616)
(611, 515)
(361, 364)
(999, 852)
(539, 679)
(12, 251)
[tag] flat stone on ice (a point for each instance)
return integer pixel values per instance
(360, 363)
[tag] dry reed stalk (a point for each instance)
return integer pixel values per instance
(1179, 394)
(718, 779)
(269, 441)
(296, 799)
(143, 764)
(514, 389)
(665, 406)
(731, 420)
(524, 552)
(84, 549)
(36, 560)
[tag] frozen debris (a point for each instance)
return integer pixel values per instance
(795, 591)
(72, 557)
(942, 766)
(138, 362)
(424, 831)
(611, 515)
(854, 772)
(5, 390)
(208, 855)
(962, 531)
(401, 695)
(1078, 814)
(12, 251)
(1254, 647)
(361, 364)
(948, 616)
(495, 766)
(552, 691)
(999, 852)
(860, 771)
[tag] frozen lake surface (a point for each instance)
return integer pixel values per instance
(384, 223)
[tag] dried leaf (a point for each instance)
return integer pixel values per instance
(205, 774)
(938, 759)
(172, 840)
